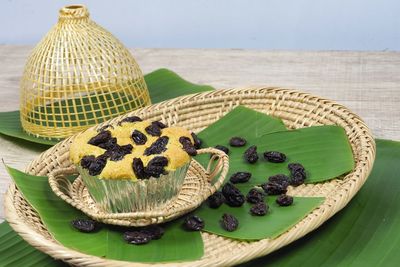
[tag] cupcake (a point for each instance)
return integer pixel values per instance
(137, 165)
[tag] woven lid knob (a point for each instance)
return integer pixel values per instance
(74, 12)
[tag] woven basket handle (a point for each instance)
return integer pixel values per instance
(61, 185)
(218, 165)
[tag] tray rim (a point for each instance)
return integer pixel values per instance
(258, 248)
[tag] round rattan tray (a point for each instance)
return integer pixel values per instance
(196, 112)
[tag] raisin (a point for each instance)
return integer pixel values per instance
(100, 138)
(216, 200)
(233, 196)
(137, 237)
(118, 152)
(105, 127)
(139, 138)
(109, 144)
(259, 209)
(153, 130)
(138, 169)
(222, 148)
(130, 119)
(84, 225)
(237, 141)
(229, 222)
(255, 196)
(273, 188)
(188, 146)
(250, 155)
(97, 166)
(87, 160)
(153, 231)
(155, 167)
(298, 174)
(194, 223)
(280, 179)
(240, 177)
(197, 141)
(159, 146)
(284, 200)
(274, 156)
(159, 124)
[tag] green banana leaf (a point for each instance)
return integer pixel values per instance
(176, 244)
(365, 233)
(275, 222)
(162, 84)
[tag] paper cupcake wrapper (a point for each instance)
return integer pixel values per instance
(120, 196)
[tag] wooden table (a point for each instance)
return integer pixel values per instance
(366, 82)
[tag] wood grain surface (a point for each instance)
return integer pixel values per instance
(368, 83)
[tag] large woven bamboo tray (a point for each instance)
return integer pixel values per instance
(196, 112)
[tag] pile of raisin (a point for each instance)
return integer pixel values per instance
(144, 235)
(216, 200)
(229, 222)
(250, 155)
(284, 200)
(259, 209)
(188, 146)
(84, 225)
(233, 196)
(255, 196)
(240, 177)
(237, 141)
(274, 156)
(193, 223)
(297, 174)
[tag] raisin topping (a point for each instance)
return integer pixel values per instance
(139, 138)
(155, 167)
(159, 146)
(138, 169)
(188, 146)
(130, 119)
(153, 130)
(197, 141)
(100, 138)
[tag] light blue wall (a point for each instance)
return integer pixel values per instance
(270, 24)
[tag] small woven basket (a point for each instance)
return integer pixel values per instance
(195, 112)
(78, 75)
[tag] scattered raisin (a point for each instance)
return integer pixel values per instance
(229, 222)
(84, 225)
(223, 148)
(298, 174)
(255, 196)
(100, 138)
(97, 166)
(233, 196)
(156, 165)
(259, 209)
(280, 179)
(130, 119)
(240, 177)
(139, 138)
(274, 156)
(159, 146)
(237, 141)
(138, 169)
(194, 223)
(137, 237)
(118, 152)
(159, 124)
(250, 155)
(197, 141)
(87, 160)
(284, 200)
(153, 130)
(188, 146)
(216, 200)
(154, 231)
(273, 188)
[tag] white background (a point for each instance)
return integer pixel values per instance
(269, 24)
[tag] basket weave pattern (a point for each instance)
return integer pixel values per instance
(196, 112)
(78, 75)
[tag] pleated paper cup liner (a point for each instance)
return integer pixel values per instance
(196, 112)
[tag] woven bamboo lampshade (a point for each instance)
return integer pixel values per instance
(77, 76)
